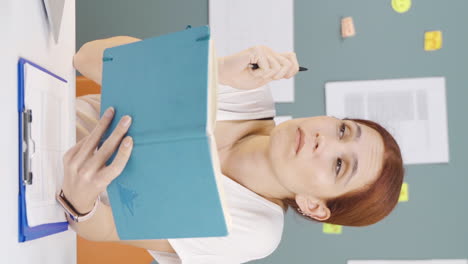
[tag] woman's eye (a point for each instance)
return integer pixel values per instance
(342, 130)
(339, 162)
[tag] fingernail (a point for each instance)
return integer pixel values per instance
(127, 142)
(109, 112)
(126, 121)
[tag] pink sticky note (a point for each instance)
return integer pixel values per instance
(347, 27)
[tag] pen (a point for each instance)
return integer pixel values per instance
(254, 66)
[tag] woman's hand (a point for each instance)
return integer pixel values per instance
(85, 172)
(235, 70)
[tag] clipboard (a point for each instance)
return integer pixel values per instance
(27, 232)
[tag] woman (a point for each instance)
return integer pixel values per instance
(346, 172)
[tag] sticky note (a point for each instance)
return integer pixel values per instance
(332, 229)
(432, 40)
(347, 27)
(404, 197)
(401, 6)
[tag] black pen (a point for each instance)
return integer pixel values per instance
(254, 66)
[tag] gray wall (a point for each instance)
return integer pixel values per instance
(433, 224)
(141, 19)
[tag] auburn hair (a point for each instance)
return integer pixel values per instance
(375, 201)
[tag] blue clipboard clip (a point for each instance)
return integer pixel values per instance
(26, 148)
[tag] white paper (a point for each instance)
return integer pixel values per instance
(281, 119)
(241, 24)
(429, 261)
(47, 97)
(414, 111)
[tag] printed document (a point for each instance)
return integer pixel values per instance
(414, 111)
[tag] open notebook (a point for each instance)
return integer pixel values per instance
(171, 186)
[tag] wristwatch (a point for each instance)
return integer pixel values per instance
(71, 211)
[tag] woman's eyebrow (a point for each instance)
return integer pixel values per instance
(355, 167)
(355, 159)
(358, 131)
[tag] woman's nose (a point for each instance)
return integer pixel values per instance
(319, 143)
(327, 145)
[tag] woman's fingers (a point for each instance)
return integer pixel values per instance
(109, 173)
(89, 146)
(294, 66)
(110, 145)
(275, 67)
(236, 70)
(68, 156)
(284, 69)
(260, 58)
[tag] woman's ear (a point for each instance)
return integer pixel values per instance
(313, 208)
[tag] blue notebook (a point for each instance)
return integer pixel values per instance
(37, 109)
(171, 186)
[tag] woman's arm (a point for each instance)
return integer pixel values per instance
(88, 60)
(101, 227)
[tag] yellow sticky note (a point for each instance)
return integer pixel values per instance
(347, 27)
(432, 40)
(401, 6)
(332, 229)
(404, 196)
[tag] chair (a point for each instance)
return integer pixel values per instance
(89, 252)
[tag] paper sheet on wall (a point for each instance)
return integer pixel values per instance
(241, 24)
(50, 130)
(429, 261)
(414, 111)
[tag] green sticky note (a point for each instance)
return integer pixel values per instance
(404, 197)
(332, 229)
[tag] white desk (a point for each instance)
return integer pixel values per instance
(24, 32)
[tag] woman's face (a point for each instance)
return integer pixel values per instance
(325, 157)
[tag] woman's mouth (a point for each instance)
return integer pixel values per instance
(299, 140)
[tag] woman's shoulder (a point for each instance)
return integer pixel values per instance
(257, 223)
(279, 203)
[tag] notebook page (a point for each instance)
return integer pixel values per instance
(211, 122)
(47, 97)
